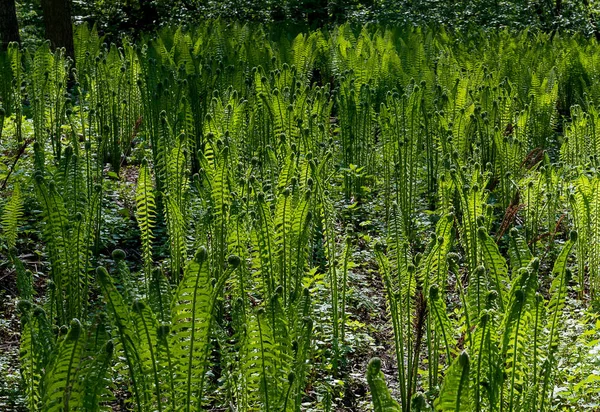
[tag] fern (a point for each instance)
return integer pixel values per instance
(36, 345)
(554, 308)
(443, 326)
(193, 310)
(259, 362)
(488, 375)
(160, 295)
(496, 265)
(558, 290)
(146, 328)
(95, 383)
(146, 215)
(382, 399)
(59, 385)
(515, 338)
(11, 216)
(129, 340)
(518, 251)
(454, 394)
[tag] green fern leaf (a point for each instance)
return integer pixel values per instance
(443, 326)
(192, 316)
(11, 216)
(61, 377)
(382, 399)
(146, 215)
(454, 395)
(558, 291)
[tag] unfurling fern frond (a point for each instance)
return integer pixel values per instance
(434, 268)
(94, 386)
(554, 308)
(128, 339)
(159, 295)
(515, 339)
(558, 290)
(418, 403)
(60, 379)
(487, 372)
(496, 265)
(454, 395)
(11, 216)
(382, 399)
(476, 293)
(443, 326)
(301, 367)
(37, 342)
(147, 328)
(24, 276)
(259, 363)
(192, 316)
(146, 215)
(177, 240)
(518, 251)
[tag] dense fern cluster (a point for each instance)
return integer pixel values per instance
(253, 155)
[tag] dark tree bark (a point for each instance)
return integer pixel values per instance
(58, 24)
(9, 27)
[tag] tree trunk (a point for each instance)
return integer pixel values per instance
(9, 27)
(58, 24)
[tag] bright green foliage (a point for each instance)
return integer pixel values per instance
(558, 290)
(68, 373)
(441, 322)
(146, 215)
(382, 399)
(36, 346)
(61, 376)
(192, 316)
(487, 372)
(454, 395)
(11, 215)
(496, 265)
(311, 173)
(585, 204)
(434, 269)
(128, 339)
(95, 385)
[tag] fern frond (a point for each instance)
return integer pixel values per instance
(558, 291)
(95, 385)
(147, 328)
(61, 377)
(518, 251)
(443, 326)
(487, 372)
(146, 215)
(259, 360)
(11, 216)
(160, 295)
(129, 340)
(36, 345)
(192, 316)
(382, 399)
(454, 395)
(495, 263)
